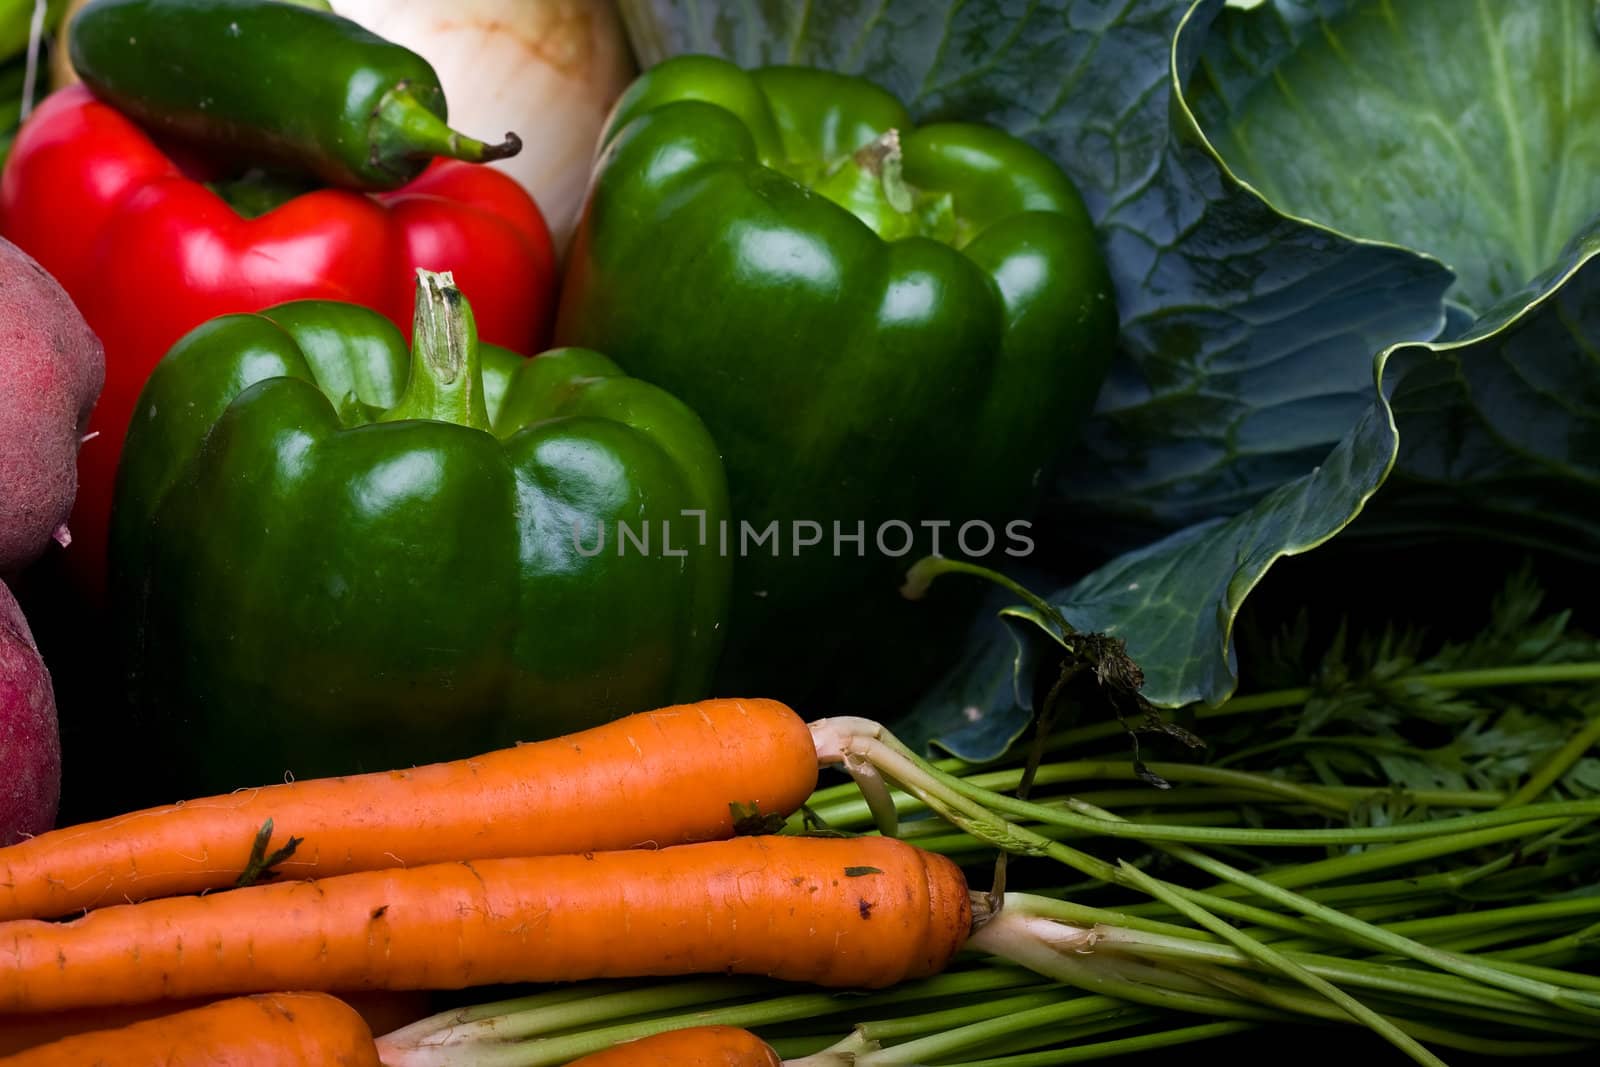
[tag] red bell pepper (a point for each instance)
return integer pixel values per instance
(148, 252)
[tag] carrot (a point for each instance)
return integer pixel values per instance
(862, 912)
(693, 1046)
(658, 778)
(270, 1030)
(383, 1011)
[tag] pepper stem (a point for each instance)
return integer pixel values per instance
(403, 128)
(883, 159)
(870, 184)
(446, 383)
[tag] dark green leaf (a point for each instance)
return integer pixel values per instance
(1463, 129)
(1455, 127)
(1067, 674)
(1501, 433)
(977, 711)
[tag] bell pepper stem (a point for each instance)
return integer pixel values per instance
(446, 383)
(404, 129)
(870, 184)
(883, 159)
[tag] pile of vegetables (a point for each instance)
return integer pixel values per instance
(544, 532)
(630, 860)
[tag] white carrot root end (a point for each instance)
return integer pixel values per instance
(841, 736)
(1031, 940)
(849, 741)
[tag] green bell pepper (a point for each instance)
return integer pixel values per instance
(883, 326)
(329, 556)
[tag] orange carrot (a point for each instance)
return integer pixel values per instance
(694, 1046)
(383, 1010)
(270, 1030)
(863, 912)
(658, 778)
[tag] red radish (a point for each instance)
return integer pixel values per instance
(30, 745)
(51, 371)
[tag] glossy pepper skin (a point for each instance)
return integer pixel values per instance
(879, 323)
(331, 557)
(148, 251)
(277, 82)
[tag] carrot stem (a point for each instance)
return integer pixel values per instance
(1559, 763)
(833, 745)
(964, 806)
(1050, 948)
(538, 1037)
(823, 1059)
(577, 1007)
(1281, 699)
(934, 1022)
(840, 805)
(1122, 1046)
(941, 1047)
(1289, 967)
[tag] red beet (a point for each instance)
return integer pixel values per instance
(30, 745)
(51, 369)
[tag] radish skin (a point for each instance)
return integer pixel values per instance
(30, 743)
(51, 370)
